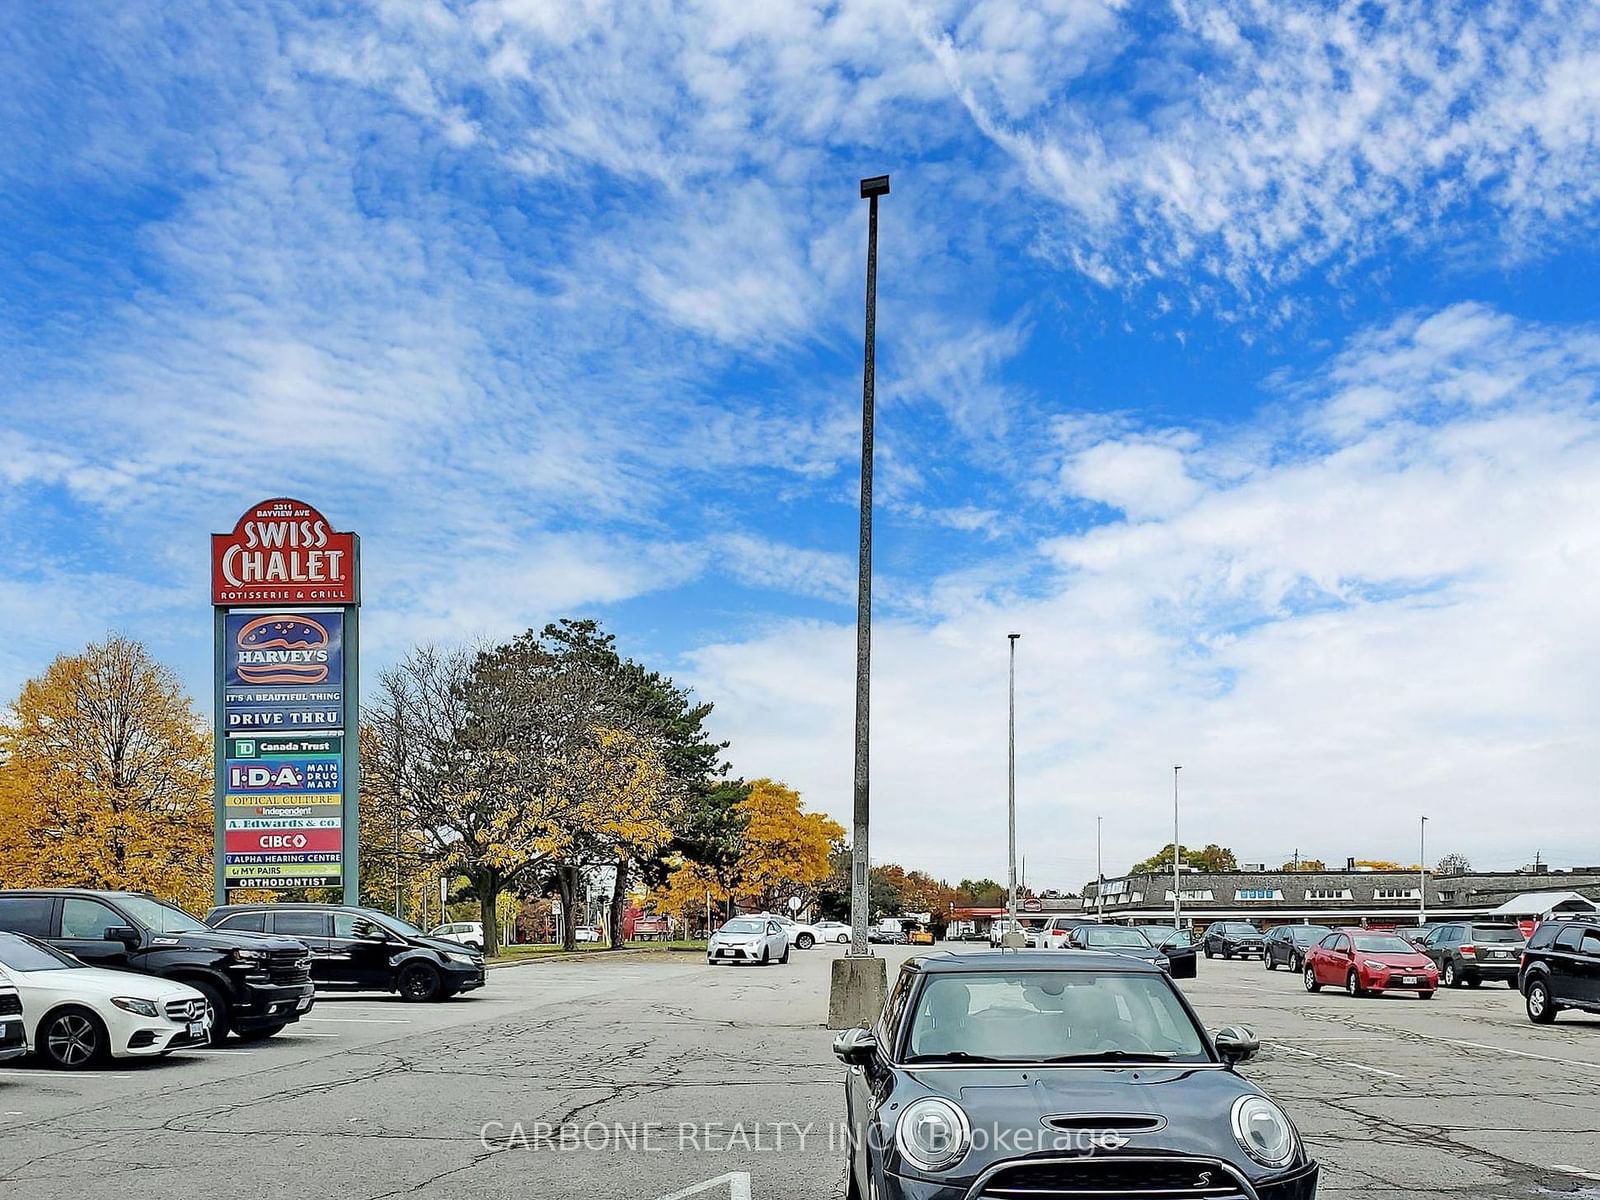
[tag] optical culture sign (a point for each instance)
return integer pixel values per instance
(286, 587)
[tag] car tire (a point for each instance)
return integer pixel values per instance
(784, 957)
(766, 956)
(1310, 977)
(1474, 982)
(1449, 977)
(419, 983)
(805, 941)
(1512, 983)
(1541, 1008)
(1352, 985)
(262, 1033)
(1228, 954)
(1425, 995)
(1208, 950)
(221, 1023)
(1268, 963)
(1298, 963)
(71, 1039)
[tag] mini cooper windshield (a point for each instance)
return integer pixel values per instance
(1052, 1017)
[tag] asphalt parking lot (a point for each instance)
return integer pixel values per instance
(646, 1076)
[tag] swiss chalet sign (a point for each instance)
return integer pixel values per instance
(284, 552)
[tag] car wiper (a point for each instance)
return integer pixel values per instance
(1112, 1056)
(956, 1056)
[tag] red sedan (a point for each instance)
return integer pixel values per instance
(1366, 962)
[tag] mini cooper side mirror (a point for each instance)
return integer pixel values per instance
(1236, 1044)
(855, 1046)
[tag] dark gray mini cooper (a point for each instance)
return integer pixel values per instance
(1002, 1074)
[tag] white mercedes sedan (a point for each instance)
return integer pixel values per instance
(79, 1015)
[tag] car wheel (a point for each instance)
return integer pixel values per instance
(221, 1024)
(1541, 1009)
(1425, 995)
(71, 1039)
(843, 939)
(1352, 985)
(418, 983)
(1512, 984)
(1208, 950)
(805, 941)
(766, 956)
(1299, 963)
(1228, 954)
(1311, 980)
(1449, 978)
(784, 957)
(1266, 961)
(1474, 982)
(261, 1034)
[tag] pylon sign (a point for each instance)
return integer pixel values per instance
(285, 588)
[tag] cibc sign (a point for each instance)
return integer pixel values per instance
(285, 586)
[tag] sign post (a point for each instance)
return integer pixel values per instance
(285, 588)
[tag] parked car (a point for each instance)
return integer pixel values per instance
(255, 984)
(750, 940)
(588, 933)
(363, 950)
(1053, 934)
(1235, 939)
(919, 935)
(1056, 1073)
(1117, 939)
(13, 1032)
(462, 933)
(1367, 962)
(81, 1015)
(1417, 934)
(883, 935)
(1561, 968)
(1287, 945)
(832, 931)
(1470, 953)
(801, 937)
(1179, 947)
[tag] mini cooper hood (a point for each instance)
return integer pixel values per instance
(1194, 1103)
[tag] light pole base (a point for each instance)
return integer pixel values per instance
(858, 988)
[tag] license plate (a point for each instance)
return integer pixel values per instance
(303, 1004)
(197, 1029)
(1499, 954)
(724, 953)
(1410, 979)
(5, 1032)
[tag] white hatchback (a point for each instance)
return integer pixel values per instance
(79, 1015)
(462, 933)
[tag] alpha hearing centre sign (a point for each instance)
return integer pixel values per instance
(286, 587)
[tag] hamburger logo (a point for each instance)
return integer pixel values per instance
(282, 650)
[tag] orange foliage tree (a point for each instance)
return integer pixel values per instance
(105, 779)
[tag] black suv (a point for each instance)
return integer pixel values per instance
(361, 949)
(1561, 968)
(1469, 954)
(1289, 944)
(256, 984)
(1235, 939)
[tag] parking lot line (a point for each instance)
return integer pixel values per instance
(1578, 1171)
(359, 1020)
(1566, 1062)
(40, 1075)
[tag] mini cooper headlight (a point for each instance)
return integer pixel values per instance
(933, 1133)
(1266, 1134)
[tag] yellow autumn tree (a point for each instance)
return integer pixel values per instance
(785, 848)
(105, 779)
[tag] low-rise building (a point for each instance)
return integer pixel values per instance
(1349, 897)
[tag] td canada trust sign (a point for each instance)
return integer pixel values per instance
(286, 592)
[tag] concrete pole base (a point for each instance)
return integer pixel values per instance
(858, 989)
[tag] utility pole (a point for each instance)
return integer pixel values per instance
(1177, 886)
(1422, 864)
(860, 978)
(1099, 874)
(1011, 795)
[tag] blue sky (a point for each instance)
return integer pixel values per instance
(1241, 355)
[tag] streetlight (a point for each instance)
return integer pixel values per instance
(1177, 889)
(1099, 874)
(860, 979)
(1422, 866)
(1011, 793)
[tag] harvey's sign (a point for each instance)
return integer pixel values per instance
(284, 552)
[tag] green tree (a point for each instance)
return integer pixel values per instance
(1212, 858)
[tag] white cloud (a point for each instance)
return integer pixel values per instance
(1339, 637)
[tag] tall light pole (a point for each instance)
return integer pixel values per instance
(871, 189)
(1422, 864)
(860, 978)
(1011, 788)
(1099, 874)
(1177, 887)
